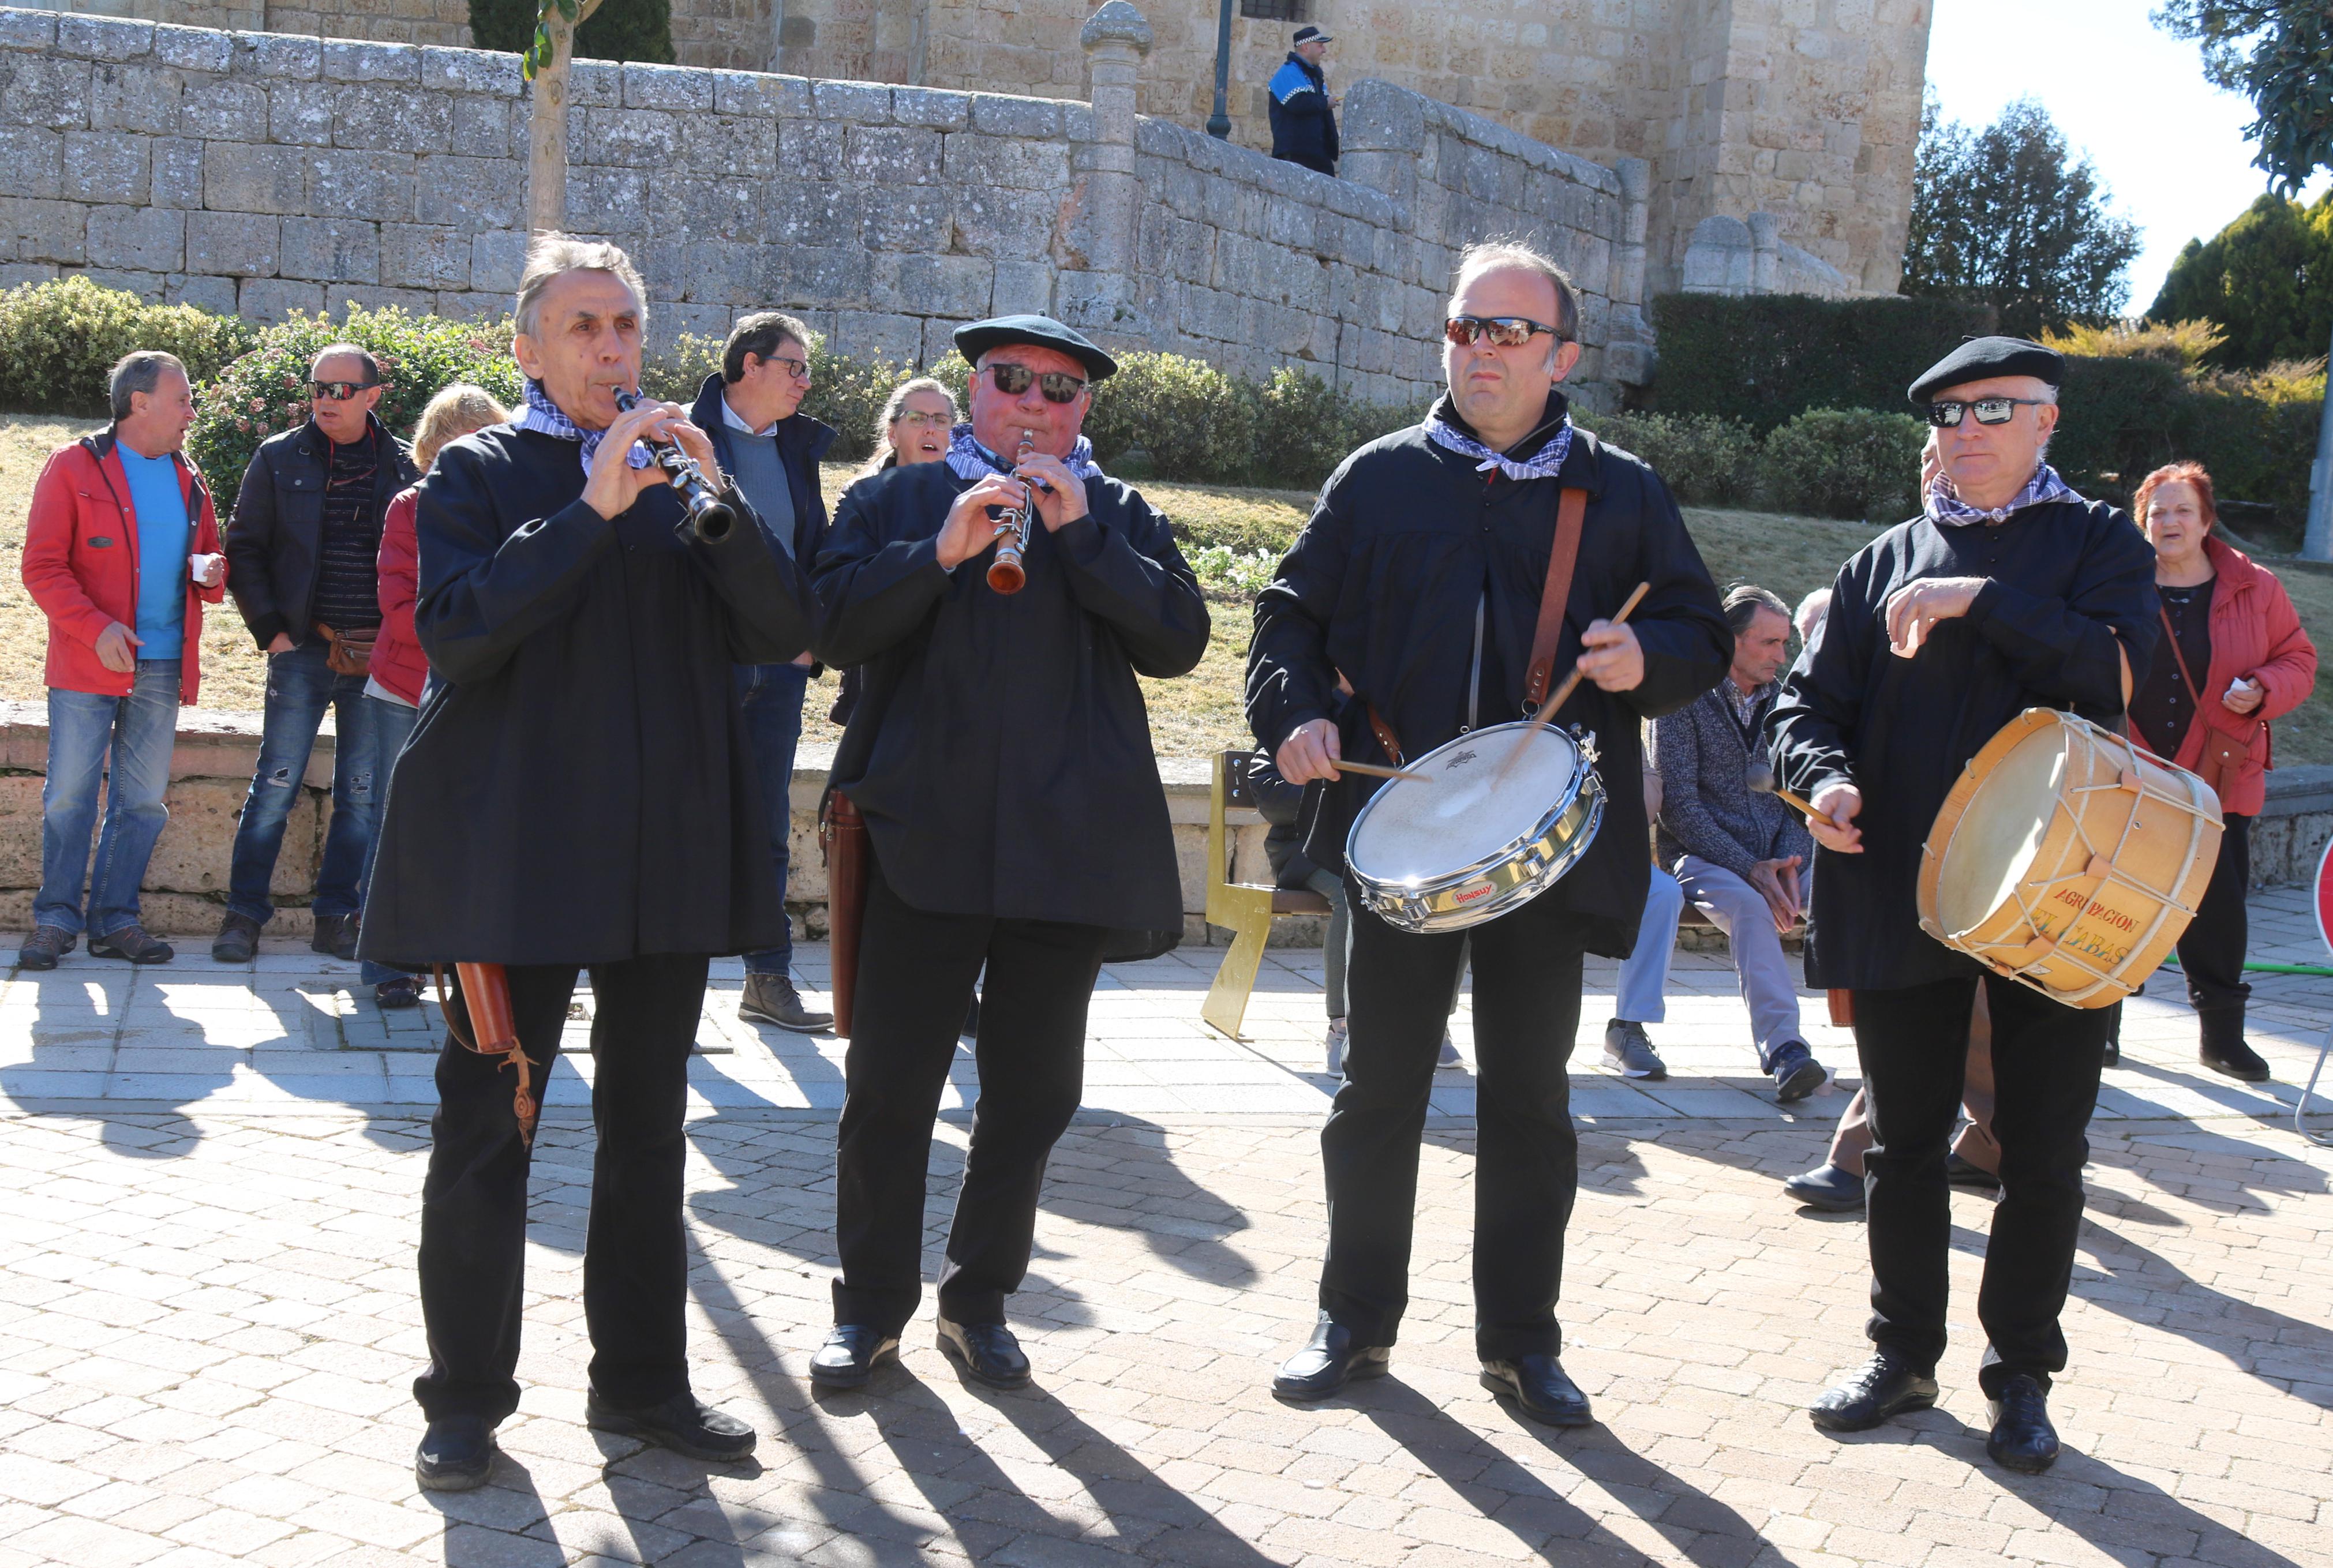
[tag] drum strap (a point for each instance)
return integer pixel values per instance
(1385, 737)
(1546, 639)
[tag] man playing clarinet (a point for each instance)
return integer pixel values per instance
(2008, 592)
(1000, 753)
(1420, 576)
(579, 793)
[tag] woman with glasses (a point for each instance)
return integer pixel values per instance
(912, 427)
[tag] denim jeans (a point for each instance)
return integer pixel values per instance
(390, 722)
(1640, 995)
(300, 687)
(83, 726)
(771, 698)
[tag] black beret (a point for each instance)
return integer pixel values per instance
(977, 338)
(1981, 359)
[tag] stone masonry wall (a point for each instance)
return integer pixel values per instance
(264, 174)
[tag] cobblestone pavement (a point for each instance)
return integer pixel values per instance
(207, 1323)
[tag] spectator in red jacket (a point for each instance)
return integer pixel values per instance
(121, 551)
(398, 672)
(2236, 657)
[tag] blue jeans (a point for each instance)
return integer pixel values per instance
(300, 687)
(391, 722)
(771, 698)
(1645, 973)
(83, 726)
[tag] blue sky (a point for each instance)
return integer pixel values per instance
(2169, 147)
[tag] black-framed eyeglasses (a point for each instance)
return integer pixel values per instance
(1504, 332)
(337, 391)
(1058, 385)
(797, 369)
(1946, 415)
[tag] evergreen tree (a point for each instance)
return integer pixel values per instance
(2265, 281)
(619, 30)
(2007, 217)
(2280, 55)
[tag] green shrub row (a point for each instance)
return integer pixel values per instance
(1826, 462)
(1765, 358)
(59, 340)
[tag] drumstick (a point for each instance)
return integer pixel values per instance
(1373, 771)
(1546, 714)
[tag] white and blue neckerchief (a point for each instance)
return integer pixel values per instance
(968, 459)
(545, 416)
(1945, 506)
(1543, 466)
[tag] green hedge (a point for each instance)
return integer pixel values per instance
(59, 340)
(1764, 359)
(1826, 462)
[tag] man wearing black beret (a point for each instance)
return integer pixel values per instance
(2010, 591)
(1001, 756)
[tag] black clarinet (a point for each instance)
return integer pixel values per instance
(710, 517)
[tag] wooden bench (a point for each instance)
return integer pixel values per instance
(1245, 909)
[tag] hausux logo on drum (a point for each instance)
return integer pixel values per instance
(1460, 761)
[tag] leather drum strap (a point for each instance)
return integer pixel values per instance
(1546, 639)
(1384, 733)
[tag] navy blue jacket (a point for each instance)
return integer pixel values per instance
(1303, 126)
(801, 442)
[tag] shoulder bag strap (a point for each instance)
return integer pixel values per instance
(2170, 635)
(1548, 638)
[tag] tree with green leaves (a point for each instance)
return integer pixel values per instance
(2265, 281)
(2279, 53)
(2007, 216)
(549, 33)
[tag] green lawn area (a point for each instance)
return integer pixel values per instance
(1192, 716)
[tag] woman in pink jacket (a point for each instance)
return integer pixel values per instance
(2233, 658)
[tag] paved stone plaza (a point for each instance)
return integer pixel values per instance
(207, 1323)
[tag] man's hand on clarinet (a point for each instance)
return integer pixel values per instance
(615, 484)
(1914, 609)
(1310, 753)
(969, 530)
(1614, 659)
(1833, 823)
(1061, 498)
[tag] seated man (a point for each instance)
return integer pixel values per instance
(1737, 852)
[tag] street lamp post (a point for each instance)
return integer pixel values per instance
(1219, 124)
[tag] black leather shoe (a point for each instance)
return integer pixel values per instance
(335, 935)
(2234, 1058)
(456, 1455)
(1969, 1174)
(237, 939)
(850, 1355)
(1330, 1360)
(1541, 1389)
(683, 1423)
(1883, 1387)
(987, 1351)
(2022, 1438)
(1828, 1187)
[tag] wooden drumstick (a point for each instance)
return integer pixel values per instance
(1546, 714)
(1375, 771)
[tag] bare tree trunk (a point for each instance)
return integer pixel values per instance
(546, 162)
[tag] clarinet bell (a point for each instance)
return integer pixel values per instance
(712, 520)
(1006, 573)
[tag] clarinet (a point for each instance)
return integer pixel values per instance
(1006, 575)
(710, 517)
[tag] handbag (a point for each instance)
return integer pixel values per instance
(2224, 757)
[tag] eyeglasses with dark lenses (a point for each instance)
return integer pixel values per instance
(1058, 385)
(1988, 410)
(1504, 332)
(338, 391)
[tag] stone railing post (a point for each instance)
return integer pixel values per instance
(1096, 286)
(1765, 253)
(1635, 219)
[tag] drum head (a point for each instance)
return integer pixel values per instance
(1474, 808)
(2002, 830)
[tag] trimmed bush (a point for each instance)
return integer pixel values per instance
(1183, 415)
(58, 340)
(1704, 461)
(1763, 358)
(265, 392)
(1844, 463)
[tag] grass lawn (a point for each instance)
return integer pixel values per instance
(1189, 717)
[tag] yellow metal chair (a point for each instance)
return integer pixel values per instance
(1245, 909)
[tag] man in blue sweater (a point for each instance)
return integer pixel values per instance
(1303, 115)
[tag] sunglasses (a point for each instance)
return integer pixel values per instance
(337, 391)
(1504, 332)
(1058, 385)
(1988, 410)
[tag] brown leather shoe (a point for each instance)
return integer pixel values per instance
(237, 939)
(132, 943)
(335, 935)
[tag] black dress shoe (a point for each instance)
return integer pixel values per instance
(2234, 1058)
(850, 1355)
(1329, 1361)
(456, 1455)
(1828, 1187)
(2022, 1438)
(1541, 1390)
(1883, 1387)
(683, 1423)
(987, 1351)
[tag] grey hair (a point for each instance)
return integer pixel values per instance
(554, 256)
(1491, 255)
(139, 371)
(1810, 613)
(1744, 600)
(759, 335)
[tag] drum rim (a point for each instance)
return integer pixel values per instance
(1582, 770)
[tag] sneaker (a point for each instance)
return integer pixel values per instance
(47, 944)
(1828, 1187)
(398, 992)
(1449, 1057)
(237, 939)
(1796, 1072)
(132, 943)
(770, 998)
(1629, 1051)
(1336, 1045)
(335, 935)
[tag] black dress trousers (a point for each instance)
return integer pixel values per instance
(916, 974)
(474, 1201)
(2212, 948)
(2046, 1059)
(1527, 973)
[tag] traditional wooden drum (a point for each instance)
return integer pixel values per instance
(2069, 858)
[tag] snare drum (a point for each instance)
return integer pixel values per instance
(1483, 837)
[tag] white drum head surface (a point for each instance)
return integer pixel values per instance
(1475, 807)
(2000, 833)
